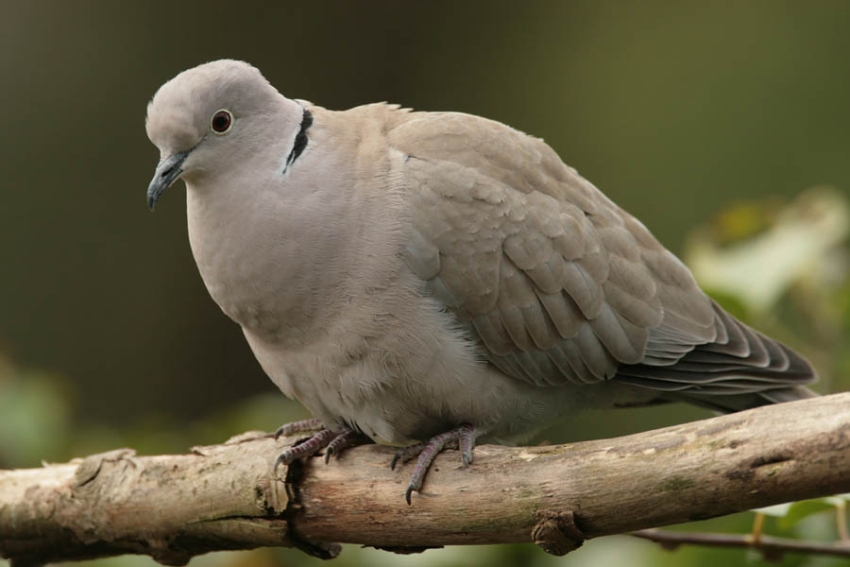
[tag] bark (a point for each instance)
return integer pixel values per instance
(221, 497)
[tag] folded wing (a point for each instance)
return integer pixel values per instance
(557, 282)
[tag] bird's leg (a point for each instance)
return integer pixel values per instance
(463, 437)
(309, 446)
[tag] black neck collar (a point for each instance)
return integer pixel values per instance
(300, 139)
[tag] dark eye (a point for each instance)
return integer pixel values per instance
(221, 121)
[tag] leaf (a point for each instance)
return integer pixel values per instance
(796, 247)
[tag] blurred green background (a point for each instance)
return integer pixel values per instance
(704, 119)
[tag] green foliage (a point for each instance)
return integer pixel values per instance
(34, 415)
(792, 513)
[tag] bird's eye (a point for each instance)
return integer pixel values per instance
(221, 121)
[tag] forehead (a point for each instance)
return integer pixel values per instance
(217, 82)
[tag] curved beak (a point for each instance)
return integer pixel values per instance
(167, 172)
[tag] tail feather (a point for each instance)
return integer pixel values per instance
(741, 369)
(741, 402)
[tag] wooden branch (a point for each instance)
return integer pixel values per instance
(771, 548)
(224, 497)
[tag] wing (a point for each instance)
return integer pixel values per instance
(555, 280)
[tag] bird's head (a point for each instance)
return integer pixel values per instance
(205, 120)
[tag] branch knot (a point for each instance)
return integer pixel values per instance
(557, 532)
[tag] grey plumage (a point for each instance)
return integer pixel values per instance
(405, 273)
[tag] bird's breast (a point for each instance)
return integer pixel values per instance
(243, 266)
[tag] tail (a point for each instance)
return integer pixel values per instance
(741, 402)
(741, 369)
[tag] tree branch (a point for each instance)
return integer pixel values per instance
(772, 548)
(222, 497)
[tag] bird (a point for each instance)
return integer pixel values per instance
(428, 280)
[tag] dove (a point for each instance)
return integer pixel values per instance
(436, 279)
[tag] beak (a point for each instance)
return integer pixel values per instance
(167, 172)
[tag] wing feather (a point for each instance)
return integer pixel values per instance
(559, 284)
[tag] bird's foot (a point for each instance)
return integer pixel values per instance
(463, 437)
(347, 438)
(286, 429)
(323, 438)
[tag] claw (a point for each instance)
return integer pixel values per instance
(282, 459)
(324, 438)
(466, 442)
(464, 436)
(406, 453)
(308, 448)
(347, 438)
